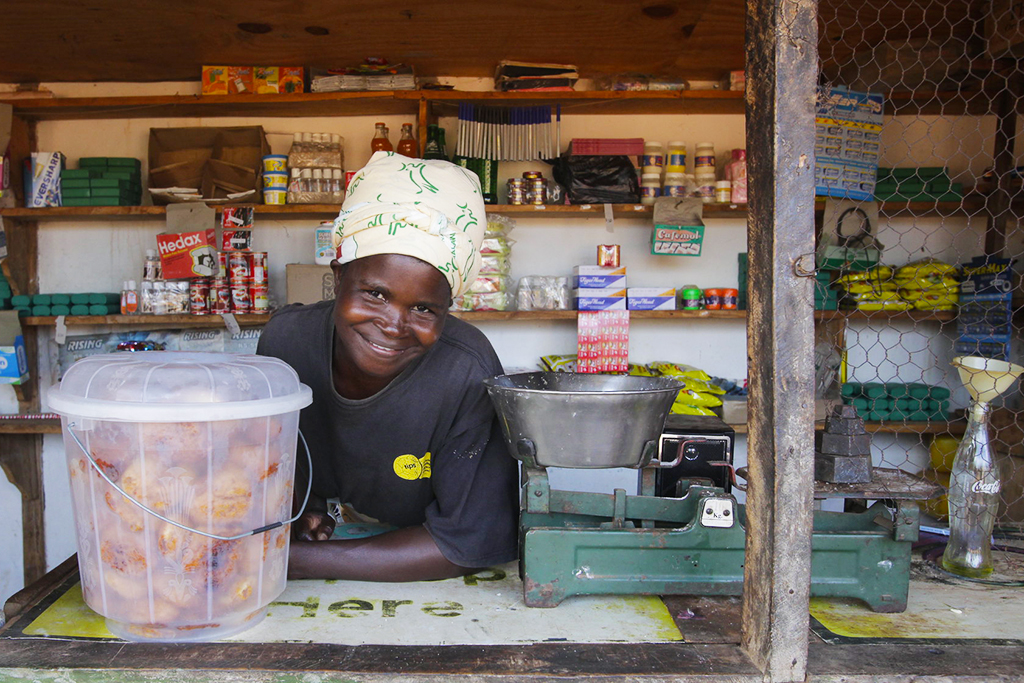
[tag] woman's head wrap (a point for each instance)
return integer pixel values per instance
(429, 209)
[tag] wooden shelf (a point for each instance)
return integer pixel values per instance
(891, 316)
(30, 425)
(331, 210)
(954, 427)
(247, 320)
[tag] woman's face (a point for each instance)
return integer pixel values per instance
(390, 309)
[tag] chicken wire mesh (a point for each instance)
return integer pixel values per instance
(928, 268)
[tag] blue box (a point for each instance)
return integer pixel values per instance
(608, 299)
(650, 299)
(13, 361)
(599, 277)
(847, 142)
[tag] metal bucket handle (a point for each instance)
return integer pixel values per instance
(259, 530)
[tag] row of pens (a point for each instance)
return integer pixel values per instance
(509, 133)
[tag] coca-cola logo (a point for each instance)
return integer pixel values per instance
(985, 487)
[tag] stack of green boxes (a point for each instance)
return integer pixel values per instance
(5, 292)
(916, 185)
(102, 181)
(877, 402)
(91, 303)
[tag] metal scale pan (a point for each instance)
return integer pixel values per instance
(581, 543)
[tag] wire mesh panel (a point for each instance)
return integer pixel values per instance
(919, 247)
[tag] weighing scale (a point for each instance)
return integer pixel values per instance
(580, 543)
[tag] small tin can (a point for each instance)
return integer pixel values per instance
(712, 299)
(222, 264)
(238, 266)
(260, 297)
(689, 299)
(241, 298)
(608, 255)
(259, 267)
(538, 191)
(199, 296)
(532, 175)
(730, 299)
(516, 191)
(220, 296)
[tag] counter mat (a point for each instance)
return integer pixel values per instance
(485, 608)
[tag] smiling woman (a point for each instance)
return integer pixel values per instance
(401, 431)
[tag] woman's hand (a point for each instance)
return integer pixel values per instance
(313, 526)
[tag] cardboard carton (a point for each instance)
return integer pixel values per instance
(187, 254)
(13, 361)
(309, 283)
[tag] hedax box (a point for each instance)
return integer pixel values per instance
(187, 254)
(650, 299)
(606, 299)
(599, 277)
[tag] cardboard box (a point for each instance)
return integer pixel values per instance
(215, 80)
(308, 283)
(599, 277)
(267, 79)
(42, 179)
(608, 299)
(650, 299)
(217, 161)
(188, 254)
(674, 240)
(13, 361)
(240, 80)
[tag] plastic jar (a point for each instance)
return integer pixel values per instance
(712, 299)
(675, 162)
(278, 180)
(689, 298)
(653, 159)
(650, 187)
(723, 192)
(704, 158)
(323, 243)
(730, 299)
(706, 187)
(674, 186)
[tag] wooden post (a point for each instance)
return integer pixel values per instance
(21, 458)
(781, 77)
(1003, 160)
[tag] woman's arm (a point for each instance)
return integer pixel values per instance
(408, 554)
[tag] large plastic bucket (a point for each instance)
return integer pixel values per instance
(206, 441)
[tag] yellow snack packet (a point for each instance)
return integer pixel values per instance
(696, 398)
(679, 370)
(686, 409)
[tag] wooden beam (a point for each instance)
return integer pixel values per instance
(782, 72)
(21, 458)
(1003, 156)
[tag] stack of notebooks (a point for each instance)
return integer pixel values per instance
(917, 185)
(102, 181)
(914, 402)
(532, 77)
(89, 303)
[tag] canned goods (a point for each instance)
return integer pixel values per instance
(239, 267)
(222, 264)
(260, 296)
(516, 191)
(532, 175)
(259, 267)
(241, 299)
(538, 192)
(199, 296)
(712, 299)
(730, 299)
(608, 255)
(220, 296)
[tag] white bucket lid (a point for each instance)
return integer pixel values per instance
(171, 386)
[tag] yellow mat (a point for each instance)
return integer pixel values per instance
(482, 609)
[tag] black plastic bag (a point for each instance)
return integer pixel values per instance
(597, 179)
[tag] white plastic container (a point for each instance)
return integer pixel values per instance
(653, 159)
(323, 244)
(650, 187)
(206, 440)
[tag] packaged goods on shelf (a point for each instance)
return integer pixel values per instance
(13, 360)
(532, 76)
(606, 147)
(847, 143)
(236, 228)
(917, 184)
(650, 299)
(42, 179)
(209, 162)
(602, 341)
(317, 150)
(248, 80)
(927, 285)
(491, 290)
(186, 255)
(370, 76)
(103, 181)
(543, 293)
(597, 179)
(904, 402)
(984, 322)
(599, 277)
(607, 299)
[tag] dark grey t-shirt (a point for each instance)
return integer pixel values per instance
(427, 449)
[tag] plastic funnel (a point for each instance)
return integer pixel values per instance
(986, 378)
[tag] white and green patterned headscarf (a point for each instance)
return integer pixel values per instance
(431, 210)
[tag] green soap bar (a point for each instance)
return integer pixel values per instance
(873, 390)
(76, 201)
(21, 300)
(78, 173)
(918, 390)
(76, 193)
(850, 389)
(80, 309)
(23, 312)
(938, 393)
(60, 309)
(903, 172)
(861, 404)
(897, 404)
(80, 298)
(939, 186)
(40, 310)
(60, 299)
(896, 389)
(41, 300)
(104, 298)
(130, 162)
(932, 171)
(73, 184)
(130, 178)
(97, 309)
(109, 192)
(918, 416)
(877, 415)
(914, 404)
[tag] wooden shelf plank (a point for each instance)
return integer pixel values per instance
(954, 427)
(890, 316)
(30, 425)
(601, 102)
(247, 320)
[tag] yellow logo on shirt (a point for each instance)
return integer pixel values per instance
(411, 468)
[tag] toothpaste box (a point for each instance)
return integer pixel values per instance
(13, 361)
(650, 299)
(599, 277)
(42, 179)
(606, 299)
